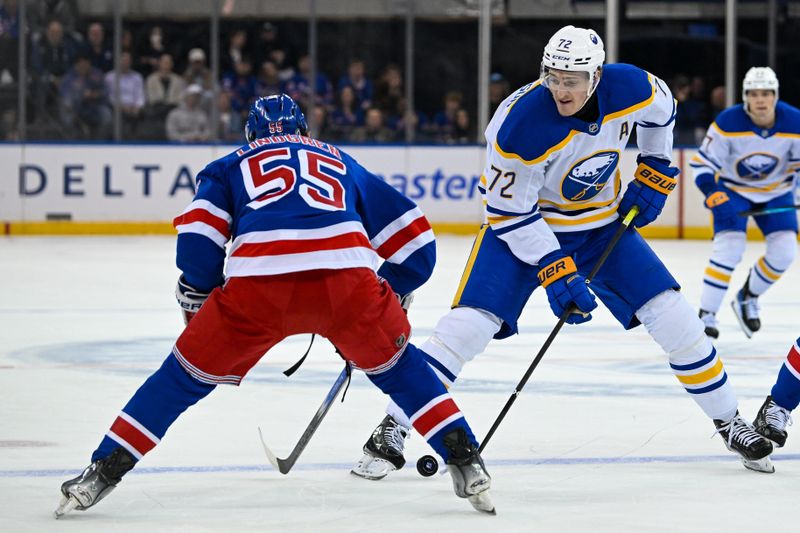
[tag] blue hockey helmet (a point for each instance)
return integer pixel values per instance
(274, 115)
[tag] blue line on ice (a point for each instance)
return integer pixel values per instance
(346, 466)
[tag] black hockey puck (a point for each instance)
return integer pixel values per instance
(427, 465)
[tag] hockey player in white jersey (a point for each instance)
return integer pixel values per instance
(748, 162)
(553, 198)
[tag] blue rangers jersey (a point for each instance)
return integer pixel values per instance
(288, 203)
(757, 163)
(546, 173)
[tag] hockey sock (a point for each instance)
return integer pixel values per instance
(414, 387)
(726, 253)
(786, 391)
(153, 408)
(673, 324)
(781, 251)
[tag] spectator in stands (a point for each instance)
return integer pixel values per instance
(321, 125)
(230, 122)
(444, 120)
(99, 54)
(281, 59)
(357, 79)
(236, 52)
(692, 116)
(462, 129)
(9, 41)
(164, 88)
(389, 89)
(347, 115)
(131, 94)
(419, 122)
(299, 86)
(241, 86)
(269, 82)
(188, 123)
(268, 41)
(198, 73)
(84, 100)
(150, 51)
(51, 57)
(717, 101)
(498, 90)
(373, 130)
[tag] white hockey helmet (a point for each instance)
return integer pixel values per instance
(575, 50)
(759, 78)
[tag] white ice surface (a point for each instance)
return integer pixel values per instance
(603, 438)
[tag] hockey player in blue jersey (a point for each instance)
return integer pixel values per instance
(553, 198)
(776, 412)
(317, 244)
(748, 162)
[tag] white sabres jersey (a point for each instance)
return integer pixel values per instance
(757, 163)
(546, 173)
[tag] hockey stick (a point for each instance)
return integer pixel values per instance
(562, 319)
(284, 465)
(768, 211)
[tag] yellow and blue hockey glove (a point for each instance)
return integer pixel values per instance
(565, 287)
(717, 200)
(653, 180)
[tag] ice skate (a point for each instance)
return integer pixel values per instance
(771, 422)
(742, 439)
(383, 452)
(470, 478)
(710, 322)
(745, 306)
(94, 483)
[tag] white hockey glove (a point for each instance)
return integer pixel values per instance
(190, 299)
(405, 301)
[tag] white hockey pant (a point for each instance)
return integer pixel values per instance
(674, 325)
(781, 252)
(726, 253)
(459, 336)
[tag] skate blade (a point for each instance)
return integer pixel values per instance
(482, 502)
(66, 505)
(764, 465)
(736, 311)
(372, 468)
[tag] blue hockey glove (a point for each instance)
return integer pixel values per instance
(565, 287)
(721, 208)
(190, 299)
(653, 180)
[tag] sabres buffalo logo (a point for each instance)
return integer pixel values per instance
(756, 166)
(588, 176)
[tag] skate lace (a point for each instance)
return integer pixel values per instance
(394, 435)
(740, 431)
(750, 305)
(778, 417)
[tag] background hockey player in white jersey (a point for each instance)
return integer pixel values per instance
(308, 228)
(748, 162)
(552, 194)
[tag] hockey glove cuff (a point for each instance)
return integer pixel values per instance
(190, 299)
(653, 180)
(565, 287)
(720, 205)
(405, 301)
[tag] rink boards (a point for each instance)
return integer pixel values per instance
(138, 189)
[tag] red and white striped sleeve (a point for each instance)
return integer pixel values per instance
(204, 218)
(403, 236)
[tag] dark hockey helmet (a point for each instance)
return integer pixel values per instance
(274, 115)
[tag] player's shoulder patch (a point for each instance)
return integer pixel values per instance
(733, 120)
(788, 120)
(625, 88)
(531, 127)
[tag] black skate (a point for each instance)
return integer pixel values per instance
(745, 306)
(771, 422)
(742, 439)
(94, 483)
(383, 451)
(470, 478)
(710, 322)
